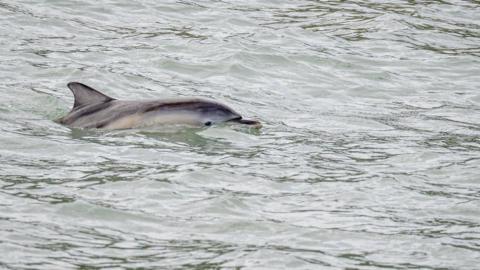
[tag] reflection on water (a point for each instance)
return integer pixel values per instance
(368, 157)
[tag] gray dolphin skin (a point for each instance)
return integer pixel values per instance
(93, 109)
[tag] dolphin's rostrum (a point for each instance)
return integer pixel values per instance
(93, 109)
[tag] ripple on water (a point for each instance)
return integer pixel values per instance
(368, 157)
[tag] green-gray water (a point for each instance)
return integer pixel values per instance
(369, 157)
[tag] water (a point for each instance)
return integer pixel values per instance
(368, 159)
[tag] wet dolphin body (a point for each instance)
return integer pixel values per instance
(93, 109)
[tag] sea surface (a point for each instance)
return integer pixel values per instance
(369, 155)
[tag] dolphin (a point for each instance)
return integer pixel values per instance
(92, 109)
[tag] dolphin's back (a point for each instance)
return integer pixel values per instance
(128, 114)
(99, 115)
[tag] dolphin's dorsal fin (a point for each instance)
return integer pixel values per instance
(85, 95)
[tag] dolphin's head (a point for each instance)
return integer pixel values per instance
(215, 113)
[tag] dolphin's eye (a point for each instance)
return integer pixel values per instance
(208, 123)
